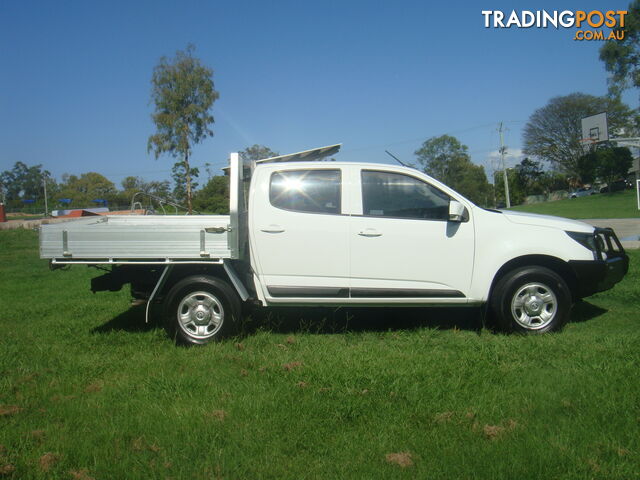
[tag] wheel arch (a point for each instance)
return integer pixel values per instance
(179, 272)
(554, 264)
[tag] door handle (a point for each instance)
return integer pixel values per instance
(272, 229)
(369, 232)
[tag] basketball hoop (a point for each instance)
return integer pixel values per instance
(587, 144)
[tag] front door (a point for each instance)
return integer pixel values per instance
(402, 244)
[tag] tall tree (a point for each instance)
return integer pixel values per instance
(447, 160)
(258, 152)
(553, 132)
(183, 93)
(622, 57)
(179, 175)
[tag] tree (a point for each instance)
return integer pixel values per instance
(528, 174)
(179, 175)
(214, 196)
(587, 167)
(447, 160)
(258, 152)
(551, 181)
(516, 193)
(132, 185)
(23, 183)
(437, 153)
(622, 57)
(183, 93)
(613, 163)
(86, 188)
(553, 132)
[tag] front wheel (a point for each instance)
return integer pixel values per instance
(200, 309)
(531, 300)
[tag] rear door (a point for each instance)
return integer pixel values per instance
(299, 232)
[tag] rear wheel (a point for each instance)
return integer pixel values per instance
(201, 309)
(531, 300)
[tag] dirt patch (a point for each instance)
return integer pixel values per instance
(292, 365)
(491, 432)
(47, 461)
(217, 415)
(240, 346)
(9, 410)
(402, 459)
(38, 435)
(93, 387)
(7, 469)
(82, 474)
(443, 417)
(291, 340)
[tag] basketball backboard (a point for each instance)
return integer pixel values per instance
(594, 128)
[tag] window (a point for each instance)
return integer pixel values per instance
(312, 191)
(386, 194)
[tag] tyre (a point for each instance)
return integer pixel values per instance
(531, 300)
(201, 309)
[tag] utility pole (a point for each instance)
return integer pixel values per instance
(46, 206)
(503, 150)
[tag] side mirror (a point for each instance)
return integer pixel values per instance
(457, 212)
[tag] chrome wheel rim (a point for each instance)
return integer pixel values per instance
(200, 315)
(534, 306)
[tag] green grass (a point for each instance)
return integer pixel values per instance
(308, 394)
(602, 205)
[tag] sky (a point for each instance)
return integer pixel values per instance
(292, 75)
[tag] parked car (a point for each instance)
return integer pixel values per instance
(318, 233)
(617, 186)
(582, 192)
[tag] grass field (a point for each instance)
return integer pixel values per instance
(602, 205)
(87, 390)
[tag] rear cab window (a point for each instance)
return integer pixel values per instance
(307, 191)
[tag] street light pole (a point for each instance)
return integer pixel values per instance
(46, 206)
(503, 150)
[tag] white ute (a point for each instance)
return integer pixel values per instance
(303, 231)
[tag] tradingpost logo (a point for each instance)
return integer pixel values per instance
(590, 25)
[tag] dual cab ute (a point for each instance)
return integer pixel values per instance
(303, 231)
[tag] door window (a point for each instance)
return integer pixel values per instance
(386, 194)
(310, 191)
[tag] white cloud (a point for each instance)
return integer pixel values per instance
(511, 159)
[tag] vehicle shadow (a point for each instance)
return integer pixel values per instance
(131, 320)
(325, 320)
(584, 311)
(321, 320)
(360, 319)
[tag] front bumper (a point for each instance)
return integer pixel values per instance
(608, 268)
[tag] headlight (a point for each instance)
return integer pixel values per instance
(587, 240)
